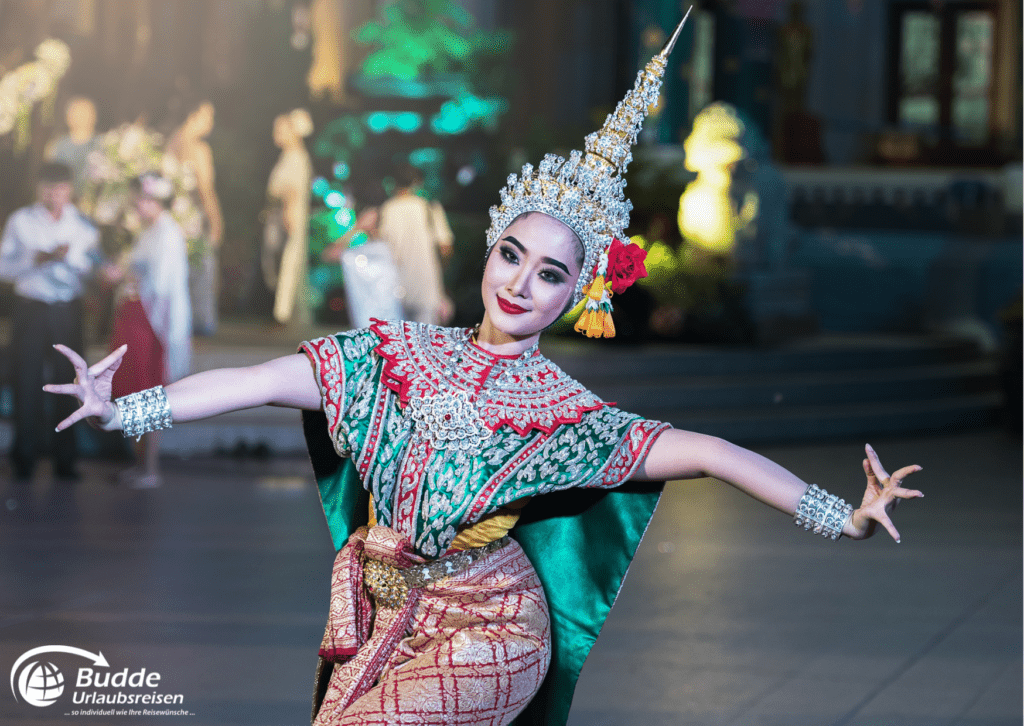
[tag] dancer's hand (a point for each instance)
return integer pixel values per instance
(92, 388)
(881, 496)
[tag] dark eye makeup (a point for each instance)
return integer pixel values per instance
(508, 253)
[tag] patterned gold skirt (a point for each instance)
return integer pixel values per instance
(472, 648)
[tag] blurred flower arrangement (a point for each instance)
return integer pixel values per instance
(125, 153)
(29, 84)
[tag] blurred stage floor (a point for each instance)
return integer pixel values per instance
(219, 582)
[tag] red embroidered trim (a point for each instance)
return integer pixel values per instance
(373, 433)
(330, 375)
(537, 396)
(630, 454)
(406, 502)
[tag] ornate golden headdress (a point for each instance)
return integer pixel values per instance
(585, 192)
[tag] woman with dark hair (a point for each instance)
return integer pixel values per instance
(479, 497)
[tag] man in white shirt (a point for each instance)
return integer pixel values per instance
(47, 250)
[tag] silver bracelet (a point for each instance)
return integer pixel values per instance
(823, 513)
(143, 412)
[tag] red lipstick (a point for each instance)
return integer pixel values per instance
(510, 308)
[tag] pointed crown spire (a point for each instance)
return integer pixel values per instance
(586, 191)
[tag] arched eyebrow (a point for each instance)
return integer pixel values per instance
(551, 261)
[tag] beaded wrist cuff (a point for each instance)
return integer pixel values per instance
(144, 411)
(823, 513)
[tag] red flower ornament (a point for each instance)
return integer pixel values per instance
(625, 265)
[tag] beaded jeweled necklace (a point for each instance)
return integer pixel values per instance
(450, 417)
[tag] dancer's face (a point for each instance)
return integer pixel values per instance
(531, 274)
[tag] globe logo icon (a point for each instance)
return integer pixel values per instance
(40, 683)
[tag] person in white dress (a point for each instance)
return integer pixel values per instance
(153, 318)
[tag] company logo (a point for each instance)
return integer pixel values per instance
(40, 683)
(92, 689)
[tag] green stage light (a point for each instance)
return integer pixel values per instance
(426, 156)
(407, 121)
(378, 122)
(345, 217)
(321, 186)
(449, 121)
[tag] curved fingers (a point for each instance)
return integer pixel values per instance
(869, 472)
(883, 519)
(76, 360)
(112, 359)
(73, 419)
(876, 465)
(67, 389)
(901, 474)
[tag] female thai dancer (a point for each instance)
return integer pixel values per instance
(428, 443)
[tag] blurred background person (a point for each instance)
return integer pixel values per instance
(188, 146)
(372, 285)
(362, 232)
(285, 250)
(153, 316)
(74, 147)
(47, 251)
(417, 231)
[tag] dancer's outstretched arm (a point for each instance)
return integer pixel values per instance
(687, 455)
(289, 381)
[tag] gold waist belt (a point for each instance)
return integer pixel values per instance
(390, 585)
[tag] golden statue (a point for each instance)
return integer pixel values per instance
(708, 218)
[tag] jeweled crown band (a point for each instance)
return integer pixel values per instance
(144, 411)
(823, 513)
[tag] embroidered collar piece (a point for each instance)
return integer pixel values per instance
(462, 394)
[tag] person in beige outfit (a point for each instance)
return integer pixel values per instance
(285, 250)
(416, 231)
